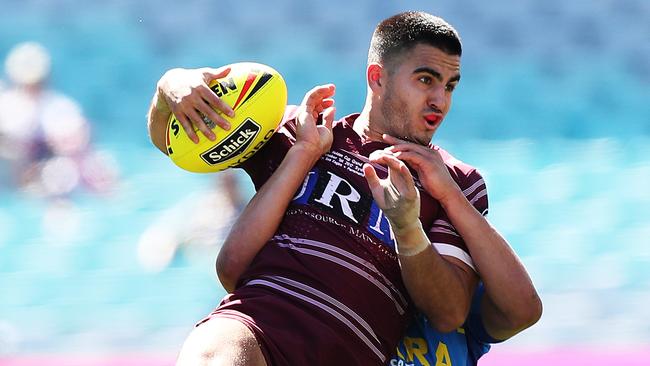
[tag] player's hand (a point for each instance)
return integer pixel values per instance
(431, 169)
(190, 99)
(313, 138)
(395, 195)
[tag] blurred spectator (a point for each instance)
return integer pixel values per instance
(44, 137)
(194, 227)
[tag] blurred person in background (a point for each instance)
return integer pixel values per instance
(45, 143)
(45, 140)
(206, 216)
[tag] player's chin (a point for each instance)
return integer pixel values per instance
(423, 139)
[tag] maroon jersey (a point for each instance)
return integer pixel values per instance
(327, 289)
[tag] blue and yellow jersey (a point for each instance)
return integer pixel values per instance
(422, 345)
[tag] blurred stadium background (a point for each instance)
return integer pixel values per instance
(554, 108)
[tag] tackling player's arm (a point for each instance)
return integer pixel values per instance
(263, 214)
(511, 303)
(441, 287)
(186, 93)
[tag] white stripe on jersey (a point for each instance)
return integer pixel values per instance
(364, 263)
(456, 252)
(324, 307)
(478, 196)
(443, 231)
(473, 187)
(351, 267)
(329, 299)
(441, 222)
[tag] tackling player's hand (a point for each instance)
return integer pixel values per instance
(316, 139)
(188, 96)
(396, 195)
(431, 169)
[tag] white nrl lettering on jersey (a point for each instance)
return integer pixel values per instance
(377, 226)
(330, 191)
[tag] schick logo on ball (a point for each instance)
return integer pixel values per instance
(234, 144)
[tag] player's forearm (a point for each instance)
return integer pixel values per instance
(157, 118)
(437, 287)
(512, 303)
(262, 216)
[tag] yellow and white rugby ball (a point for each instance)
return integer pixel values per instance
(258, 94)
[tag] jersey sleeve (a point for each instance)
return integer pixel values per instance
(477, 336)
(261, 166)
(443, 235)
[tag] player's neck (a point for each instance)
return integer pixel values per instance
(365, 127)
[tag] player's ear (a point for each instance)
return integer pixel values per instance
(374, 75)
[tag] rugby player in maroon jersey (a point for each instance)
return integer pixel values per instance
(330, 287)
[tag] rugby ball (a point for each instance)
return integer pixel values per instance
(258, 95)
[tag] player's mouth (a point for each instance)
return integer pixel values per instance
(433, 120)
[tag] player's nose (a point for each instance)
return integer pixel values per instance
(437, 99)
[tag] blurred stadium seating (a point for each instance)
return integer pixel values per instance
(554, 108)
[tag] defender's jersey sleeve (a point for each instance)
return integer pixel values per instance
(442, 234)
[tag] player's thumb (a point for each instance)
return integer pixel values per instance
(212, 73)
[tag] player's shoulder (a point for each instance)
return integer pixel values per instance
(463, 173)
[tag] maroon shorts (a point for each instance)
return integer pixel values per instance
(292, 334)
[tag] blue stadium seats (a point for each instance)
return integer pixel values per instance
(553, 108)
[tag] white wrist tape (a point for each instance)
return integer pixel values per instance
(414, 250)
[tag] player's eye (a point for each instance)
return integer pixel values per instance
(425, 80)
(450, 87)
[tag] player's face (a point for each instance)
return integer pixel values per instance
(418, 93)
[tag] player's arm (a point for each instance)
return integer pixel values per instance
(441, 287)
(510, 303)
(185, 92)
(261, 218)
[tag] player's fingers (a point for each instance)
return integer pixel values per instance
(393, 140)
(212, 115)
(197, 120)
(397, 143)
(215, 102)
(325, 103)
(393, 164)
(376, 188)
(212, 73)
(328, 102)
(306, 118)
(203, 107)
(211, 119)
(371, 176)
(316, 95)
(187, 126)
(399, 174)
(328, 117)
(414, 154)
(409, 182)
(414, 158)
(378, 156)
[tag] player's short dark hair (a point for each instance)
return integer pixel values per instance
(400, 33)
